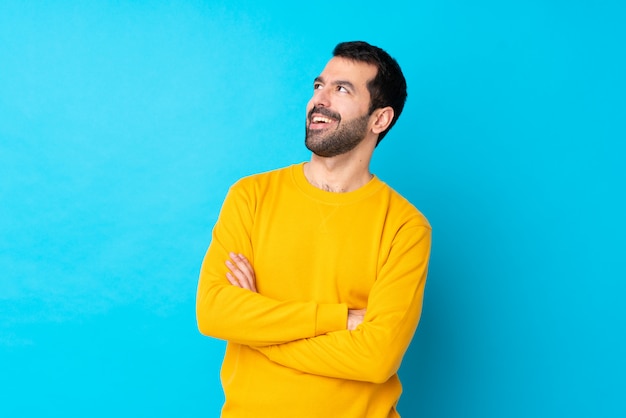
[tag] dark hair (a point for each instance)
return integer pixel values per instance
(388, 88)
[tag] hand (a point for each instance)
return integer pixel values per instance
(241, 273)
(355, 318)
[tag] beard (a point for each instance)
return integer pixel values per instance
(343, 139)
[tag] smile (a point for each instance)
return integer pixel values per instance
(318, 123)
(319, 116)
(320, 119)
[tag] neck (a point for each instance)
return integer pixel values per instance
(340, 174)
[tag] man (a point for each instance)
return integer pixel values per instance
(315, 273)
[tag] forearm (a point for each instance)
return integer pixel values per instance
(373, 352)
(227, 312)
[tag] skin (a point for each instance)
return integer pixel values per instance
(342, 88)
(341, 98)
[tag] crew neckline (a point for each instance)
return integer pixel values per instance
(297, 173)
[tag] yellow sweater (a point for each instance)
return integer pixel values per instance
(315, 254)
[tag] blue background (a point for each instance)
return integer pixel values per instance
(122, 124)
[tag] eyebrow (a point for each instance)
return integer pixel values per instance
(345, 83)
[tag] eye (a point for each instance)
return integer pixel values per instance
(317, 86)
(342, 89)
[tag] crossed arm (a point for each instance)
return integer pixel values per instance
(241, 274)
(374, 341)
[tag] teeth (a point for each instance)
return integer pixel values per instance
(319, 119)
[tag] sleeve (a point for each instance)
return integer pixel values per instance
(373, 352)
(230, 313)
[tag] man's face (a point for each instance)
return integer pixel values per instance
(338, 116)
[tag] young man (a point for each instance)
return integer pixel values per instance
(315, 273)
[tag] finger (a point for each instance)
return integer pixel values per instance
(230, 276)
(246, 268)
(237, 278)
(232, 280)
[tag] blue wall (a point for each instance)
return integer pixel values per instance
(122, 124)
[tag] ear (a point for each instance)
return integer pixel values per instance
(382, 119)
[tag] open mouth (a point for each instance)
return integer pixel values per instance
(320, 119)
(320, 122)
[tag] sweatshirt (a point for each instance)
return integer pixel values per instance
(315, 254)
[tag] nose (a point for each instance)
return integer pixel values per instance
(321, 97)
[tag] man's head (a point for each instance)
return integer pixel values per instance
(360, 94)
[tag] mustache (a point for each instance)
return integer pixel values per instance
(325, 112)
